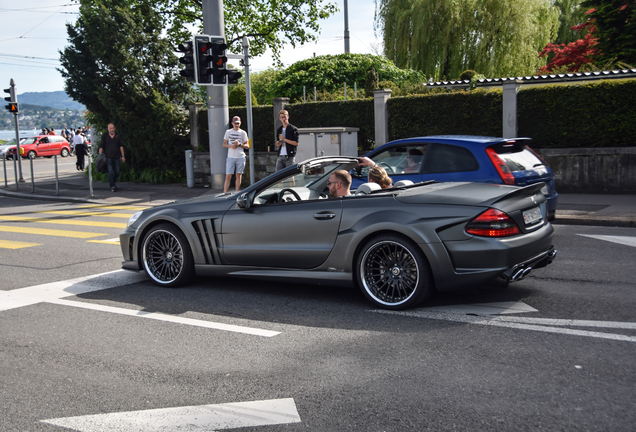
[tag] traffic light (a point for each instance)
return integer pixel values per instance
(203, 59)
(187, 60)
(233, 76)
(13, 105)
(219, 59)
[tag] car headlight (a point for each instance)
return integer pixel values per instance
(134, 218)
(544, 190)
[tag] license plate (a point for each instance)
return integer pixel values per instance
(532, 215)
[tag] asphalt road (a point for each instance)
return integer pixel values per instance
(225, 354)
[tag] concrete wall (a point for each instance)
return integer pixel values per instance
(593, 170)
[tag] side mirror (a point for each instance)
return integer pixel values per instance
(244, 201)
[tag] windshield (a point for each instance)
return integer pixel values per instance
(30, 140)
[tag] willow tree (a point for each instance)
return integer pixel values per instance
(443, 38)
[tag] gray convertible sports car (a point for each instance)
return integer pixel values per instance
(398, 245)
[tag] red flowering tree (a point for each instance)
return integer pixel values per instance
(575, 54)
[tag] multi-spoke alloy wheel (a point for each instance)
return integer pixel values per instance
(166, 256)
(393, 273)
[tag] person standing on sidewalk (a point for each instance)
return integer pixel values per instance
(235, 140)
(287, 142)
(113, 148)
(80, 150)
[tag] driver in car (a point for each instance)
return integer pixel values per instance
(339, 184)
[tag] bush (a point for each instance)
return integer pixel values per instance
(237, 96)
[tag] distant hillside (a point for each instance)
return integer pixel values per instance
(58, 99)
(38, 117)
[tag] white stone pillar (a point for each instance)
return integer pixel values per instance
(510, 89)
(381, 116)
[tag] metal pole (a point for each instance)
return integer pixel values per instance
(32, 179)
(248, 97)
(57, 181)
(218, 111)
(304, 95)
(346, 24)
(15, 170)
(17, 128)
(345, 91)
(314, 93)
(4, 164)
(90, 174)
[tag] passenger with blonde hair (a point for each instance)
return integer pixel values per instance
(378, 175)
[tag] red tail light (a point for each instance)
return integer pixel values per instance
(492, 223)
(502, 168)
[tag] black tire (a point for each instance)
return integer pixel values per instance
(64, 152)
(31, 154)
(393, 272)
(166, 256)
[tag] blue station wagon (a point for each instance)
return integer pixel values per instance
(464, 158)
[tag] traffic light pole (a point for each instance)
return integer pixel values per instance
(14, 100)
(218, 114)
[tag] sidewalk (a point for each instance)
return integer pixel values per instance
(573, 209)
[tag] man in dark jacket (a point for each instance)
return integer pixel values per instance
(287, 142)
(113, 148)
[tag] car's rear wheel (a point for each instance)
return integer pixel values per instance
(167, 256)
(32, 154)
(64, 152)
(393, 272)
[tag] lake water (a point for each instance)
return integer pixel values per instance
(6, 135)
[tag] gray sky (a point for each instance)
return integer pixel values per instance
(33, 31)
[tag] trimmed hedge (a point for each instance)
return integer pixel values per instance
(599, 114)
(461, 113)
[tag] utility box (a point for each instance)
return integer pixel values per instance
(327, 141)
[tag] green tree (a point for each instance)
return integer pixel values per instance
(120, 67)
(260, 83)
(269, 24)
(329, 73)
(571, 14)
(443, 38)
(615, 22)
(237, 97)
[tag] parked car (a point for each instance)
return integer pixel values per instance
(464, 158)
(397, 245)
(6, 146)
(43, 145)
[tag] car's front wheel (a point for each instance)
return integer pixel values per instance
(64, 152)
(167, 256)
(393, 272)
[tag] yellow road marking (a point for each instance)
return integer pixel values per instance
(63, 222)
(8, 244)
(113, 242)
(81, 213)
(50, 232)
(115, 207)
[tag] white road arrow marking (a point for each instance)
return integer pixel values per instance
(624, 240)
(496, 308)
(535, 324)
(56, 291)
(191, 418)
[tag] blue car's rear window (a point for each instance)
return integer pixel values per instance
(518, 157)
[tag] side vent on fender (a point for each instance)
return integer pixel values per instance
(208, 240)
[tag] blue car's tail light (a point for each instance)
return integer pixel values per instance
(503, 170)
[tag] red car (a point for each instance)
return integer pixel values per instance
(42, 145)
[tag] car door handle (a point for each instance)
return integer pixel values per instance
(324, 216)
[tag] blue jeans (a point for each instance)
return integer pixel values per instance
(113, 170)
